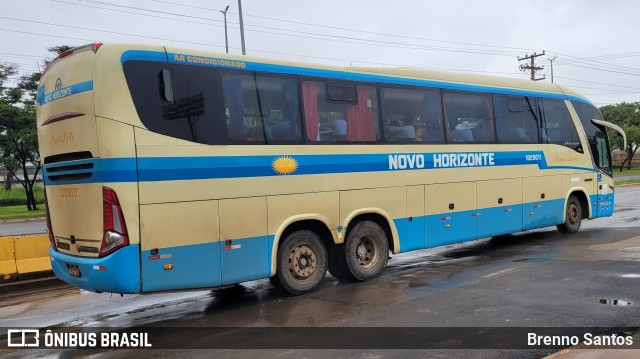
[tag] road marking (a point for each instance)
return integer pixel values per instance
(499, 272)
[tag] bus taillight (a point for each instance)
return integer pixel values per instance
(115, 229)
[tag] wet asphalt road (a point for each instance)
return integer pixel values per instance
(533, 279)
(23, 227)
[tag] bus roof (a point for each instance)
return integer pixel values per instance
(435, 77)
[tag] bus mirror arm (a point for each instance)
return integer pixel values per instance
(615, 128)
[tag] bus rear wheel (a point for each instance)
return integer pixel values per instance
(302, 263)
(573, 216)
(366, 251)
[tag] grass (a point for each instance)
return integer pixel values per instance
(632, 182)
(10, 212)
(625, 172)
(17, 195)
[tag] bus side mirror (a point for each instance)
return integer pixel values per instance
(166, 88)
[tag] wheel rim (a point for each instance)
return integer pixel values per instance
(573, 213)
(302, 261)
(367, 252)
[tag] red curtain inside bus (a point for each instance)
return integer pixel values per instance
(359, 117)
(310, 99)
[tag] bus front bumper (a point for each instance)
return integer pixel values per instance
(118, 272)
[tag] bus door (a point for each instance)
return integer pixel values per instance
(605, 182)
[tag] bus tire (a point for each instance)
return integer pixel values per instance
(275, 281)
(573, 216)
(302, 262)
(366, 251)
(338, 265)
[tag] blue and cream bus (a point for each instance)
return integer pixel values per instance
(171, 169)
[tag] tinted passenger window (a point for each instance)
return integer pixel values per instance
(411, 115)
(336, 115)
(192, 113)
(469, 118)
(261, 109)
(516, 119)
(558, 127)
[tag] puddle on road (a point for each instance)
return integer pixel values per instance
(617, 302)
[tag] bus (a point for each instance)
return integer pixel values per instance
(172, 169)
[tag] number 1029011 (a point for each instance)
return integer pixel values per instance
(68, 192)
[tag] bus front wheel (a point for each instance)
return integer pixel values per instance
(366, 251)
(573, 216)
(302, 263)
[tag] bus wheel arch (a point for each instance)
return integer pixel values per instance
(311, 241)
(364, 253)
(576, 208)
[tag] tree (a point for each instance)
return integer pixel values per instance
(18, 134)
(627, 116)
(19, 145)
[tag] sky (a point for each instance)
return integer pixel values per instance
(593, 43)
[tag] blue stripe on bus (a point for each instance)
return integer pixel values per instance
(542, 213)
(194, 266)
(158, 56)
(602, 204)
(121, 272)
(154, 169)
(207, 264)
(338, 74)
(210, 264)
(45, 98)
(104, 170)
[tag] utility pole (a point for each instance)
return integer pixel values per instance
(244, 52)
(226, 39)
(532, 67)
(551, 60)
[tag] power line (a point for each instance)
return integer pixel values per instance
(281, 53)
(604, 70)
(563, 60)
(597, 83)
(305, 34)
(577, 59)
(348, 29)
(109, 32)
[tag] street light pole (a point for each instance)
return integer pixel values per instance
(226, 39)
(244, 52)
(551, 60)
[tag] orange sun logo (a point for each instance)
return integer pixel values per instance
(284, 165)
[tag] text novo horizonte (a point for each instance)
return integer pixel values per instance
(442, 160)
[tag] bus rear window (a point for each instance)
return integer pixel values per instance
(190, 115)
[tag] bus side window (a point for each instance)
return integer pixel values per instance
(469, 117)
(557, 124)
(412, 115)
(340, 113)
(261, 109)
(515, 119)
